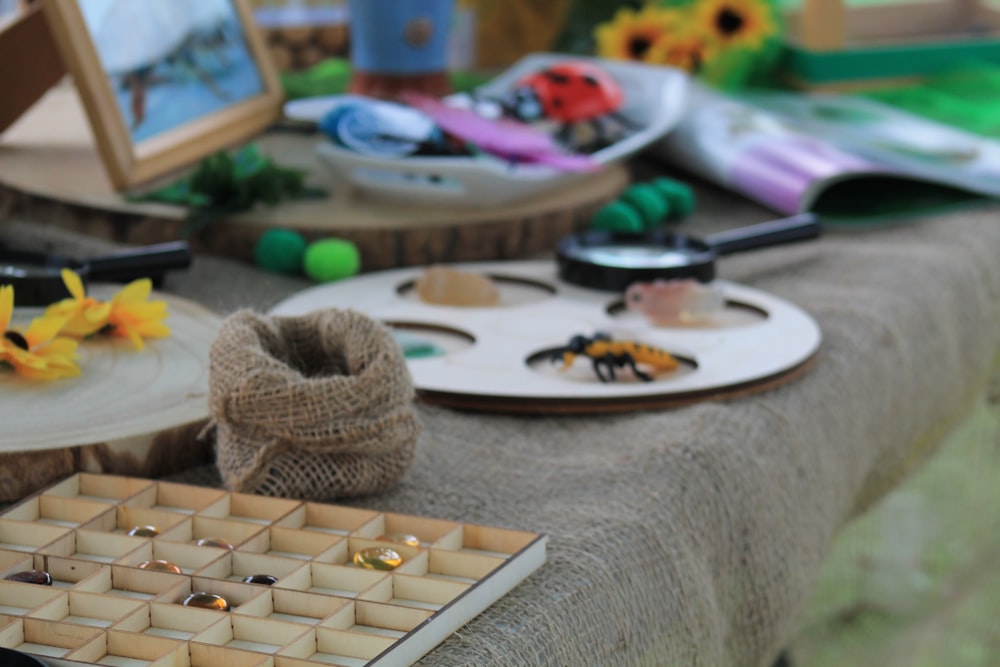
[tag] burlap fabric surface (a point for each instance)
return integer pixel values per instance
(311, 407)
(694, 536)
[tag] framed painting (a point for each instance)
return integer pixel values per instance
(165, 82)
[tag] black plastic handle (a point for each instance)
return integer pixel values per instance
(145, 262)
(784, 230)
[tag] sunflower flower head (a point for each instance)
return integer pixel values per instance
(630, 35)
(132, 315)
(745, 24)
(84, 314)
(38, 352)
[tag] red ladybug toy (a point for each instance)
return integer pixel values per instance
(569, 92)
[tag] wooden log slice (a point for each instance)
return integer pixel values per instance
(128, 412)
(49, 165)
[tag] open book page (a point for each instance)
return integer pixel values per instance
(840, 156)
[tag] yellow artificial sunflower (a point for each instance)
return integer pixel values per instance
(135, 318)
(38, 353)
(84, 315)
(630, 34)
(687, 51)
(735, 23)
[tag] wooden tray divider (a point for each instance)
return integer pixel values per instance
(331, 579)
(14, 561)
(334, 519)
(307, 545)
(236, 593)
(393, 618)
(210, 655)
(242, 535)
(261, 634)
(427, 530)
(251, 508)
(99, 546)
(99, 488)
(91, 609)
(238, 565)
(72, 572)
(358, 645)
(115, 644)
(424, 593)
(52, 638)
(462, 566)
(57, 510)
(142, 584)
(189, 557)
(178, 498)
(29, 537)
(497, 541)
(23, 599)
(167, 620)
(309, 607)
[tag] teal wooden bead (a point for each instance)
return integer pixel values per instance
(618, 216)
(651, 204)
(680, 197)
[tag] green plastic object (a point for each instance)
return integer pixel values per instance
(680, 197)
(280, 251)
(618, 216)
(650, 202)
(331, 259)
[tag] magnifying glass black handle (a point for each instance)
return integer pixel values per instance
(773, 232)
(148, 261)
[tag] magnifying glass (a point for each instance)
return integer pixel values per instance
(613, 260)
(37, 276)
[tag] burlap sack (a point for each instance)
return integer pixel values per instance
(313, 407)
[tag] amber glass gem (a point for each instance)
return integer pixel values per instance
(39, 577)
(265, 579)
(144, 531)
(378, 558)
(160, 566)
(400, 538)
(206, 601)
(214, 542)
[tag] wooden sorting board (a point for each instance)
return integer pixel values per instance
(103, 609)
(128, 412)
(495, 357)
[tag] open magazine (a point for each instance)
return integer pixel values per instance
(844, 157)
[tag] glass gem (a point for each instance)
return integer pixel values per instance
(160, 566)
(206, 601)
(39, 577)
(144, 531)
(214, 542)
(265, 579)
(378, 558)
(400, 538)
(451, 287)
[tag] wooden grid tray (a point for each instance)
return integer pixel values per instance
(103, 609)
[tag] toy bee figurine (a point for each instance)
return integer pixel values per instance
(607, 354)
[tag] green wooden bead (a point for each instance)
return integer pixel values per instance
(651, 204)
(618, 216)
(280, 250)
(680, 197)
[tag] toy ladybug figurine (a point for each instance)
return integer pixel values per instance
(570, 93)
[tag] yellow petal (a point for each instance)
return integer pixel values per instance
(43, 329)
(73, 283)
(6, 306)
(135, 291)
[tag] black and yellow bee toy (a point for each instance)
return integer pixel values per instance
(607, 354)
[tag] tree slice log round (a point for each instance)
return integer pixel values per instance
(129, 412)
(51, 169)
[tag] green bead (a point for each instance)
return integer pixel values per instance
(680, 197)
(651, 204)
(280, 250)
(331, 259)
(618, 216)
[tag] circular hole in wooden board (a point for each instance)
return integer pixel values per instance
(734, 314)
(513, 291)
(448, 339)
(491, 375)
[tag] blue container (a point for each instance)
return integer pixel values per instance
(400, 36)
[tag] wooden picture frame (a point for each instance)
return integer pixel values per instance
(198, 77)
